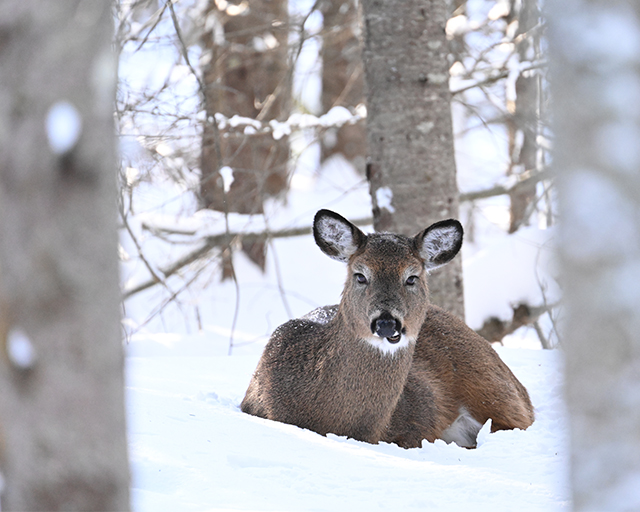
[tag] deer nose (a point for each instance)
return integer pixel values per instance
(388, 327)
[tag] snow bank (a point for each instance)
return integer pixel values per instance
(193, 449)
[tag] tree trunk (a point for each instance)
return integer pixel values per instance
(62, 420)
(247, 74)
(523, 123)
(411, 165)
(343, 78)
(595, 72)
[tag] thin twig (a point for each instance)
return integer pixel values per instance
(498, 76)
(158, 17)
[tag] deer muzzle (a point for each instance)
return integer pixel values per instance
(386, 326)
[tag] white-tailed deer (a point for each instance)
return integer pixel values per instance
(385, 364)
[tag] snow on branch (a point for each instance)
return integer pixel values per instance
(335, 118)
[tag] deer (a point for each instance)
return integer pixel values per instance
(386, 365)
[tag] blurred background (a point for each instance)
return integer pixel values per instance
(239, 120)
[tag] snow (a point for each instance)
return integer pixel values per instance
(335, 118)
(384, 198)
(63, 126)
(518, 268)
(20, 349)
(193, 449)
(227, 177)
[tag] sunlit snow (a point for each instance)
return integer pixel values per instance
(384, 197)
(20, 349)
(64, 126)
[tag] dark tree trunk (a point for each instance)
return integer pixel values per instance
(411, 165)
(247, 75)
(62, 420)
(343, 78)
(523, 125)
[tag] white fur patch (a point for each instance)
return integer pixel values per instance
(338, 235)
(463, 431)
(387, 348)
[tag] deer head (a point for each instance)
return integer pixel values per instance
(385, 297)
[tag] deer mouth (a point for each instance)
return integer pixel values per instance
(394, 339)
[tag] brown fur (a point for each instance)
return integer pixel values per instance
(321, 373)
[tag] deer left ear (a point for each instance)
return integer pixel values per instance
(336, 236)
(439, 243)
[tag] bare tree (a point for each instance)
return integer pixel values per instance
(411, 165)
(595, 63)
(62, 402)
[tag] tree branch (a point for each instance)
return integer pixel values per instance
(227, 238)
(524, 180)
(494, 77)
(494, 329)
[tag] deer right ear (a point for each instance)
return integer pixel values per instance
(439, 243)
(336, 236)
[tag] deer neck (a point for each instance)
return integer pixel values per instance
(369, 363)
(361, 384)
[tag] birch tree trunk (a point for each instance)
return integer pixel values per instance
(594, 47)
(411, 166)
(62, 419)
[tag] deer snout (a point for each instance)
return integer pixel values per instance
(386, 326)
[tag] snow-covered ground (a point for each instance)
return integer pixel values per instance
(192, 448)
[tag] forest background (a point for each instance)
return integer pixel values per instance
(236, 122)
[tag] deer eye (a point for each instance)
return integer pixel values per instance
(360, 278)
(411, 280)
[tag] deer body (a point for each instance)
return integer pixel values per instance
(384, 364)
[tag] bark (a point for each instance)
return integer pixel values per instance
(523, 123)
(62, 419)
(595, 72)
(410, 164)
(343, 78)
(248, 75)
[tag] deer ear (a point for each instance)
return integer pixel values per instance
(336, 236)
(439, 243)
